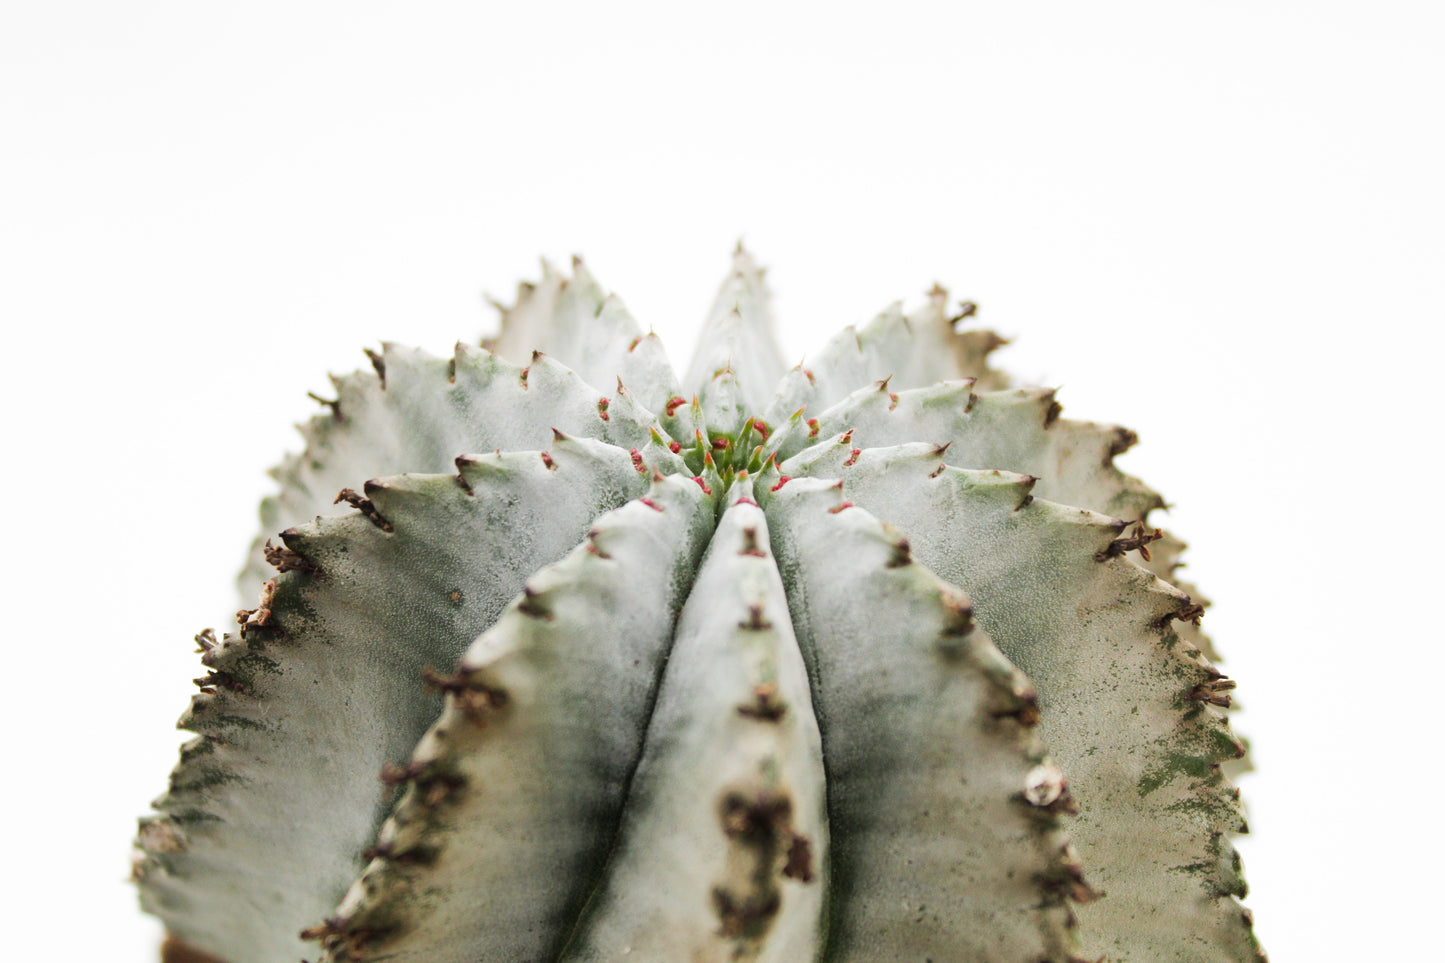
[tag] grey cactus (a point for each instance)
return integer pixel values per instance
(874, 658)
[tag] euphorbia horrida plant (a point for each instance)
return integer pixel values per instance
(870, 659)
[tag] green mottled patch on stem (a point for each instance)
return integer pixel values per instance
(1176, 764)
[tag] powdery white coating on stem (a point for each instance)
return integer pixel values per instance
(513, 797)
(910, 351)
(416, 413)
(738, 340)
(272, 805)
(724, 840)
(1016, 430)
(1119, 693)
(588, 330)
(938, 853)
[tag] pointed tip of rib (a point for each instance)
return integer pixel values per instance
(744, 263)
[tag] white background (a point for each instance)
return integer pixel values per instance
(1217, 222)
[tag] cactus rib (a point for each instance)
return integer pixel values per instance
(511, 817)
(1116, 689)
(271, 806)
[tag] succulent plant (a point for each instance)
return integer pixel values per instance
(755, 665)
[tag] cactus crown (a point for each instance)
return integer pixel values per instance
(758, 664)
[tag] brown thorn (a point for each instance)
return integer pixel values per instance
(339, 938)
(966, 309)
(1140, 540)
(1215, 692)
(394, 775)
(206, 640)
(799, 865)
(260, 616)
(379, 363)
(1028, 483)
(1191, 613)
(743, 817)
(208, 682)
(379, 851)
(477, 700)
(334, 405)
(750, 543)
(331, 926)
(902, 553)
(766, 706)
(461, 461)
(738, 919)
(755, 621)
(1026, 713)
(531, 604)
(435, 786)
(286, 560)
(1067, 880)
(1053, 411)
(363, 505)
(592, 544)
(1124, 439)
(959, 620)
(416, 856)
